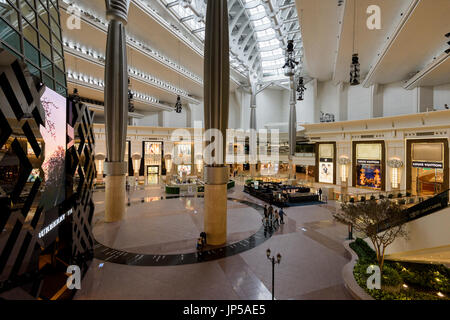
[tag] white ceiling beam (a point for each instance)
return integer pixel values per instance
(368, 80)
(414, 81)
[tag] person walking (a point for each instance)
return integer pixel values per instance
(281, 214)
(266, 212)
(199, 244)
(270, 215)
(277, 216)
(320, 194)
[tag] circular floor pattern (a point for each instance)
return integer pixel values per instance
(108, 254)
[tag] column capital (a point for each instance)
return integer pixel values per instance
(117, 10)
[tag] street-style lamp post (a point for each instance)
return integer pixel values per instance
(274, 261)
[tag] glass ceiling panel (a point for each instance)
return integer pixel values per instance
(271, 50)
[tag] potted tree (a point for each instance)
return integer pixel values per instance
(368, 217)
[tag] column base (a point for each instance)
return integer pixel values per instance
(252, 170)
(115, 198)
(215, 220)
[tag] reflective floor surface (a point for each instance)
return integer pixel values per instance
(310, 243)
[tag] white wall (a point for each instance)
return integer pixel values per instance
(150, 119)
(306, 112)
(327, 98)
(441, 96)
(398, 101)
(358, 102)
(270, 108)
(234, 112)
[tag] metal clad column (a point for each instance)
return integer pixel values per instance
(116, 109)
(216, 97)
(292, 129)
(253, 122)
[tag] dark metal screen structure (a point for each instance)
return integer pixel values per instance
(22, 215)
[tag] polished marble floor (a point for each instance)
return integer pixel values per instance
(310, 244)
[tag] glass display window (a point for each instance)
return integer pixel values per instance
(369, 167)
(326, 163)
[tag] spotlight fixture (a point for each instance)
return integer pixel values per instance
(290, 64)
(340, 3)
(301, 89)
(178, 106)
(355, 70)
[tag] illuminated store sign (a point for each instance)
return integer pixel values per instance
(362, 161)
(422, 164)
(54, 224)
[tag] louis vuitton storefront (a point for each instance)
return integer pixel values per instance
(427, 166)
(369, 165)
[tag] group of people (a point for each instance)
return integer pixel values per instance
(273, 217)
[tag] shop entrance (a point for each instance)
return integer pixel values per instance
(427, 181)
(152, 174)
(427, 166)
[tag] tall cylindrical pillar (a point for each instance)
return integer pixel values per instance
(253, 125)
(216, 97)
(116, 109)
(292, 128)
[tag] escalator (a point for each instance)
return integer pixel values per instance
(428, 227)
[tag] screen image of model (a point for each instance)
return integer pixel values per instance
(369, 175)
(326, 172)
(54, 136)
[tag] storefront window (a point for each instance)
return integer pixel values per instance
(427, 176)
(152, 158)
(326, 163)
(368, 165)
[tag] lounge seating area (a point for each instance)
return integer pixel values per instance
(280, 195)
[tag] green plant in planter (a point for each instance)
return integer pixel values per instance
(363, 199)
(372, 198)
(391, 280)
(382, 196)
(352, 200)
(399, 195)
(390, 196)
(408, 194)
(365, 217)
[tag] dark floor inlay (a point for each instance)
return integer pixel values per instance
(105, 253)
